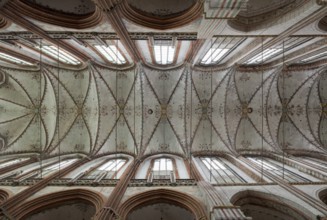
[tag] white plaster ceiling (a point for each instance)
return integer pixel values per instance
(144, 111)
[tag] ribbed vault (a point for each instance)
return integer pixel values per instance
(142, 111)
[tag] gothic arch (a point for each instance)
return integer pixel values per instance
(56, 17)
(4, 195)
(323, 195)
(166, 196)
(250, 200)
(322, 24)
(181, 171)
(252, 19)
(161, 21)
(53, 199)
(4, 23)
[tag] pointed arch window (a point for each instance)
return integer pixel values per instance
(112, 54)
(37, 171)
(15, 60)
(106, 170)
(316, 162)
(273, 52)
(315, 57)
(60, 54)
(220, 172)
(279, 170)
(164, 51)
(12, 162)
(162, 168)
(55, 167)
(219, 49)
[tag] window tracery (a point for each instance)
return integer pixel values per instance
(220, 172)
(162, 168)
(281, 170)
(106, 170)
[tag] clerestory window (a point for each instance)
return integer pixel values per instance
(162, 168)
(15, 60)
(12, 162)
(112, 54)
(59, 54)
(280, 170)
(220, 172)
(106, 170)
(164, 52)
(220, 47)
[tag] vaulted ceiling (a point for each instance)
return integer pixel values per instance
(144, 111)
(243, 76)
